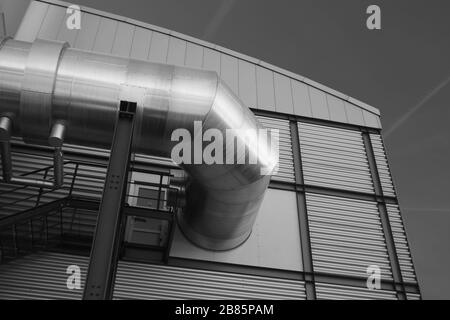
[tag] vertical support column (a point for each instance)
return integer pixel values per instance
(308, 267)
(104, 252)
(384, 217)
(5, 148)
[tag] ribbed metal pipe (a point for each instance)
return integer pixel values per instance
(46, 82)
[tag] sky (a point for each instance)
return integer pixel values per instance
(402, 69)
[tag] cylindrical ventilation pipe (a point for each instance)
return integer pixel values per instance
(7, 168)
(48, 89)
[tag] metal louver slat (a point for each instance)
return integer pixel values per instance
(346, 236)
(382, 165)
(286, 163)
(327, 291)
(334, 158)
(43, 276)
(401, 244)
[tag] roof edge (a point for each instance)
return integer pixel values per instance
(224, 50)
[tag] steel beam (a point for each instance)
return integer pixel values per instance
(104, 252)
(384, 217)
(305, 241)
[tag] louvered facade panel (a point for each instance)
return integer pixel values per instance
(382, 165)
(334, 158)
(413, 296)
(144, 281)
(43, 276)
(401, 243)
(286, 162)
(40, 276)
(346, 236)
(327, 291)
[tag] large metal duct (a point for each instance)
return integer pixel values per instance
(45, 86)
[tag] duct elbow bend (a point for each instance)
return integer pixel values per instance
(226, 189)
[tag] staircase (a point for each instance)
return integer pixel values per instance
(35, 219)
(31, 230)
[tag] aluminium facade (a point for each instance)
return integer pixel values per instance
(330, 212)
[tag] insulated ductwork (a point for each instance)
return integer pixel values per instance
(49, 90)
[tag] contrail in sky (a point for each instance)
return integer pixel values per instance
(217, 19)
(414, 109)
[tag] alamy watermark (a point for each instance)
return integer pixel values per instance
(73, 281)
(373, 21)
(373, 277)
(237, 146)
(73, 21)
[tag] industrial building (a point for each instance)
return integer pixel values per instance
(329, 213)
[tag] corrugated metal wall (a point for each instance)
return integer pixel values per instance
(341, 292)
(40, 276)
(334, 158)
(142, 281)
(43, 276)
(346, 236)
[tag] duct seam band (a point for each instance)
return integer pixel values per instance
(37, 90)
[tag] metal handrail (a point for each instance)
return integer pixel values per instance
(82, 178)
(77, 164)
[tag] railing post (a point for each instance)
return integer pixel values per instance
(61, 226)
(32, 233)
(2, 252)
(14, 232)
(158, 201)
(72, 184)
(302, 210)
(38, 199)
(46, 231)
(384, 218)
